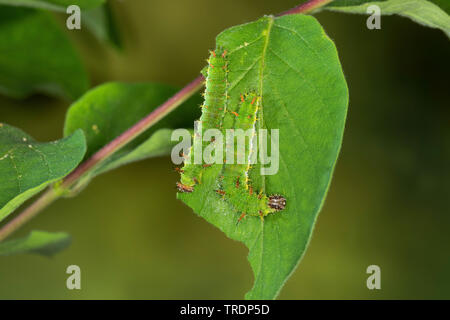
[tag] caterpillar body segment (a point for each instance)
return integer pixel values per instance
(235, 183)
(213, 109)
(238, 118)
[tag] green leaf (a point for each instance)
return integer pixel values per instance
(27, 166)
(55, 5)
(292, 64)
(40, 242)
(423, 12)
(36, 56)
(108, 110)
(100, 21)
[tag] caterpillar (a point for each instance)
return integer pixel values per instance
(213, 110)
(234, 186)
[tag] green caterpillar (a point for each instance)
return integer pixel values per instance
(235, 187)
(234, 183)
(213, 110)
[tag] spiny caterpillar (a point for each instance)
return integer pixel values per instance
(234, 184)
(213, 110)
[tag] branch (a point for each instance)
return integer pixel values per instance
(306, 7)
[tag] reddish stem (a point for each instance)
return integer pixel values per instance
(306, 7)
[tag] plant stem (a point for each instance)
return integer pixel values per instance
(51, 194)
(306, 7)
(42, 202)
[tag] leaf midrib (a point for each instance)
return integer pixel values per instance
(260, 123)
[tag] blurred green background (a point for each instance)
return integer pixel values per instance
(388, 203)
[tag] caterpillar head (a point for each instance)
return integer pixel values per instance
(277, 202)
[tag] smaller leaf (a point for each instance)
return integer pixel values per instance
(157, 145)
(37, 56)
(100, 21)
(96, 15)
(27, 166)
(41, 242)
(423, 12)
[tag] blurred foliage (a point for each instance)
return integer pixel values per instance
(41, 242)
(423, 12)
(53, 67)
(55, 5)
(388, 202)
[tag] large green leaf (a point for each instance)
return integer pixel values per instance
(36, 55)
(427, 13)
(56, 5)
(295, 68)
(27, 166)
(108, 110)
(41, 242)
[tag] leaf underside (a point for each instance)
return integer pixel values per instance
(44, 243)
(102, 24)
(294, 67)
